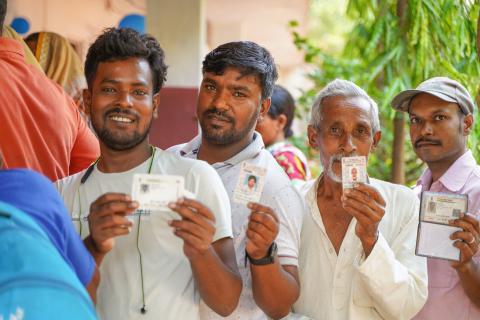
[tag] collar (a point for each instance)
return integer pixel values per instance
(11, 46)
(191, 148)
(455, 177)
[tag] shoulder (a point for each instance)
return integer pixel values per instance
(176, 148)
(393, 191)
(67, 184)
(191, 169)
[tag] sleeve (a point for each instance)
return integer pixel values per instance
(77, 254)
(210, 192)
(289, 208)
(85, 149)
(393, 276)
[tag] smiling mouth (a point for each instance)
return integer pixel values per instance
(120, 119)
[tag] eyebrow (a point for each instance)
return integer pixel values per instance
(136, 84)
(437, 111)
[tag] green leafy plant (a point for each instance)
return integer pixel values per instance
(394, 45)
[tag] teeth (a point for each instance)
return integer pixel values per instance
(121, 119)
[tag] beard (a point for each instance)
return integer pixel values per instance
(120, 141)
(337, 157)
(219, 136)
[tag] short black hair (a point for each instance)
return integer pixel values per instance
(254, 178)
(3, 13)
(120, 44)
(283, 103)
(246, 56)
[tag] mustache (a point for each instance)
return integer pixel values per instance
(219, 114)
(339, 156)
(423, 139)
(120, 111)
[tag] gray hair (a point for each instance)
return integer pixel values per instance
(347, 89)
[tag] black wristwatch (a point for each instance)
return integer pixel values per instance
(268, 259)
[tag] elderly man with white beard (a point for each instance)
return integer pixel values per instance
(357, 254)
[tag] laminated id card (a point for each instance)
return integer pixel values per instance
(433, 236)
(354, 171)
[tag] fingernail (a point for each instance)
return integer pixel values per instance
(127, 198)
(172, 205)
(180, 200)
(452, 221)
(250, 205)
(133, 204)
(169, 222)
(462, 214)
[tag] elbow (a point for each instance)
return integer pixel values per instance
(229, 303)
(279, 313)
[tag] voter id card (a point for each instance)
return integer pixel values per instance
(354, 171)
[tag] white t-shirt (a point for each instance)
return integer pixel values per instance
(169, 286)
(278, 193)
(391, 283)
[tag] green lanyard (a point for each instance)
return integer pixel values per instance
(84, 179)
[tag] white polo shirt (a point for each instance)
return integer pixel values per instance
(391, 283)
(278, 193)
(170, 291)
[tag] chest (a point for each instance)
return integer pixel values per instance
(335, 220)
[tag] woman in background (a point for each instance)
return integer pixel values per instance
(60, 62)
(275, 128)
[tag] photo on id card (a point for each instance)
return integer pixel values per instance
(354, 171)
(154, 192)
(434, 231)
(250, 183)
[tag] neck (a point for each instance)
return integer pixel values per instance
(213, 153)
(112, 161)
(327, 188)
(438, 168)
(280, 137)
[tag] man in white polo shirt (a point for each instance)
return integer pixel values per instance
(159, 266)
(357, 254)
(238, 80)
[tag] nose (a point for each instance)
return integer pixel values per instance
(427, 129)
(347, 145)
(124, 99)
(220, 100)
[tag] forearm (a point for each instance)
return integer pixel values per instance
(92, 286)
(470, 279)
(274, 289)
(97, 256)
(219, 286)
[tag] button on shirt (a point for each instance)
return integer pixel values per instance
(278, 193)
(446, 297)
(391, 283)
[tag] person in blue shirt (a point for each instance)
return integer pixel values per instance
(35, 195)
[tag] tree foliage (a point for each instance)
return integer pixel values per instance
(385, 55)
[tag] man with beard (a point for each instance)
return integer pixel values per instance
(441, 119)
(144, 273)
(357, 254)
(238, 80)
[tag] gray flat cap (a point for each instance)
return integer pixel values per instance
(441, 87)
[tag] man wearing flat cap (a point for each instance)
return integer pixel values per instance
(441, 118)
